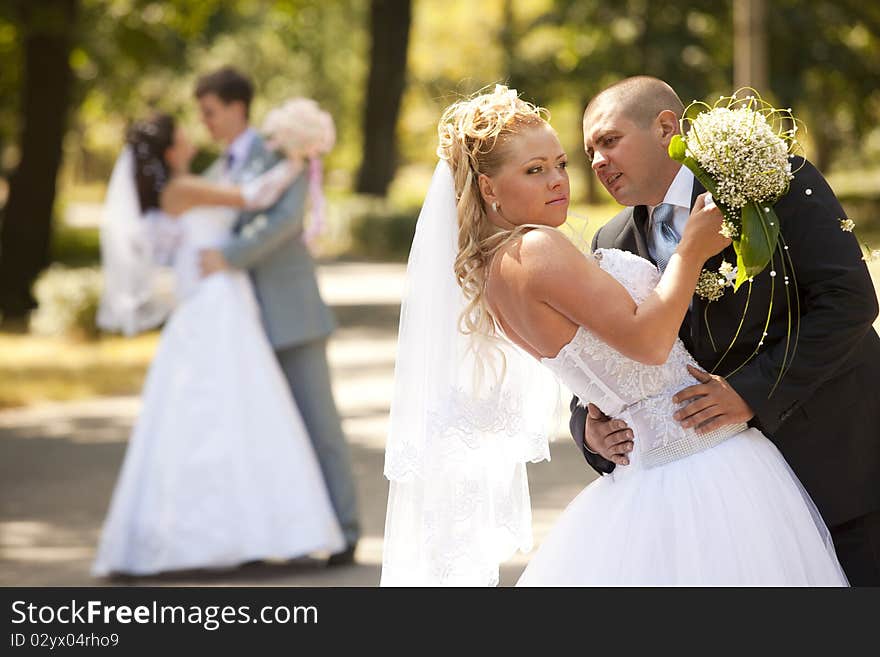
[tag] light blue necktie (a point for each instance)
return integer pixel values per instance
(664, 238)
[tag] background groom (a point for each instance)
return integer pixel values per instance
(825, 414)
(268, 244)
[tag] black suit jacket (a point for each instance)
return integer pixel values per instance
(825, 413)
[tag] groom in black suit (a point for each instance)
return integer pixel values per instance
(824, 415)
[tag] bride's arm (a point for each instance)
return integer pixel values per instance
(189, 191)
(550, 273)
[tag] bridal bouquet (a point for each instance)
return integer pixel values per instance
(300, 129)
(738, 149)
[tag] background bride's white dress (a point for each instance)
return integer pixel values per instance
(219, 469)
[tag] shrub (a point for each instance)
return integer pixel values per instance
(385, 235)
(67, 302)
(75, 247)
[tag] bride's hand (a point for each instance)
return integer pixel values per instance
(702, 235)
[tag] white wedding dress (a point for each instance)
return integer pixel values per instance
(728, 512)
(219, 468)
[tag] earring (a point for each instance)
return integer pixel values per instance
(495, 206)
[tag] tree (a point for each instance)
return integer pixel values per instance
(825, 64)
(120, 45)
(45, 98)
(390, 22)
(750, 44)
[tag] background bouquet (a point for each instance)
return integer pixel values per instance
(301, 130)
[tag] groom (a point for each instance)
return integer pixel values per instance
(268, 244)
(825, 414)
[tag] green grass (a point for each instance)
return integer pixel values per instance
(34, 368)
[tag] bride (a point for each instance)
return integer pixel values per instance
(219, 469)
(488, 271)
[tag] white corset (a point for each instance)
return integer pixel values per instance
(203, 228)
(639, 394)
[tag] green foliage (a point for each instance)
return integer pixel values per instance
(863, 207)
(135, 54)
(75, 247)
(383, 235)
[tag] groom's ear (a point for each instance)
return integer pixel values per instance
(667, 126)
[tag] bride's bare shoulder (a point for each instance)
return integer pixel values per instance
(539, 250)
(530, 262)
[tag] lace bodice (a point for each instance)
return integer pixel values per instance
(203, 228)
(638, 393)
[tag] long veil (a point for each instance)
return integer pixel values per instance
(133, 299)
(458, 444)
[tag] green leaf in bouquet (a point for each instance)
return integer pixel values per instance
(678, 149)
(758, 237)
(678, 152)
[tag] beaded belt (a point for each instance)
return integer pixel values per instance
(690, 444)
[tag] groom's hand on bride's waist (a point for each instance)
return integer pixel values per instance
(609, 438)
(715, 403)
(211, 261)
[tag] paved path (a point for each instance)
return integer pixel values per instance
(58, 462)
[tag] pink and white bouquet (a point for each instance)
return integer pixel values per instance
(301, 130)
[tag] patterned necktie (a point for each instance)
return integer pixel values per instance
(664, 238)
(230, 161)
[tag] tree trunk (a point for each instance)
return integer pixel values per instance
(507, 37)
(25, 232)
(389, 27)
(750, 45)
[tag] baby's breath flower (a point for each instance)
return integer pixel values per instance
(729, 230)
(847, 225)
(709, 286)
(743, 154)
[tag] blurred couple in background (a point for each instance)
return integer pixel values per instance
(238, 454)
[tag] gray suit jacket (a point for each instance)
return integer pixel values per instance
(269, 245)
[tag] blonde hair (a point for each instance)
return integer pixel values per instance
(473, 138)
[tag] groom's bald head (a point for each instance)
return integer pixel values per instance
(640, 99)
(627, 131)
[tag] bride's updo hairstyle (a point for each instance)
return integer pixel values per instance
(474, 139)
(148, 140)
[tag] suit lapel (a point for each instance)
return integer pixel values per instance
(633, 237)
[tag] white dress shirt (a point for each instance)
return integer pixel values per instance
(238, 149)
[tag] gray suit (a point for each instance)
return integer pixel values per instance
(268, 244)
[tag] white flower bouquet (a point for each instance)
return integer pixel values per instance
(739, 150)
(301, 130)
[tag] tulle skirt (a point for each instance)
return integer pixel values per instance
(732, 515)
(219, 469)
